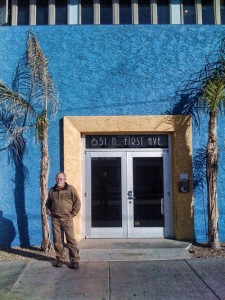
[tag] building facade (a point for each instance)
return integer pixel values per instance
(121, 135)
(106, 12)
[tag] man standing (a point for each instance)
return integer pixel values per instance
(63, 204)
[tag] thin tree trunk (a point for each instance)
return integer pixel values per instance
(44, 172)
(211, 176)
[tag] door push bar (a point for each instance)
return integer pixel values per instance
(162, 206)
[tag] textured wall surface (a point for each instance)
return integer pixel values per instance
(105, 70)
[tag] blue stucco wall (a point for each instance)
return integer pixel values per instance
(105, 70)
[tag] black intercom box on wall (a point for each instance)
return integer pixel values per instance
(184, 186)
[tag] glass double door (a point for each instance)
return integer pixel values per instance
(128, 195)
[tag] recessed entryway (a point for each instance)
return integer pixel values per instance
(180, 161)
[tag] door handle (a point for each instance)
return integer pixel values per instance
(130, 195)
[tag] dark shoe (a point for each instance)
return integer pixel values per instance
(75, 265)
(59, 264)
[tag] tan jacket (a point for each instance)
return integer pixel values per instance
(63, 203)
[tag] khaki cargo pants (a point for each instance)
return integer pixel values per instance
(60, 225)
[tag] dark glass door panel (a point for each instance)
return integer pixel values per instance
(106, 192)
(148, 191)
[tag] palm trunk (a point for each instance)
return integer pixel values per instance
(211, 177)
(44, 172)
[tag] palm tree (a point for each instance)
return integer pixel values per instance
(213, 98)
(49, 104)
(33, 96)
(207, 87)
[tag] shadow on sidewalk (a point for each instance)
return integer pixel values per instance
(35, 253)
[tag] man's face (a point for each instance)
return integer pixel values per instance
(60, 180)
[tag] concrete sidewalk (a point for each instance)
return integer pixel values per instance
(171, 279)
(117, 270)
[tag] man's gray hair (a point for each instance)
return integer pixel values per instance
(64, 174)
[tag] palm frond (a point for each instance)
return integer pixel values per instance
(213, 95)
(14, 102)
(41, 78)
(11, 134)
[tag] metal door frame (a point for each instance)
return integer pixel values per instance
(105, 232)
(125, 231)
(150, 232)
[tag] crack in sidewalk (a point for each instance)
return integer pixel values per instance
(5, 297)
(202, 279)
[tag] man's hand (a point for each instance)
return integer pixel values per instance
(48, 212)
